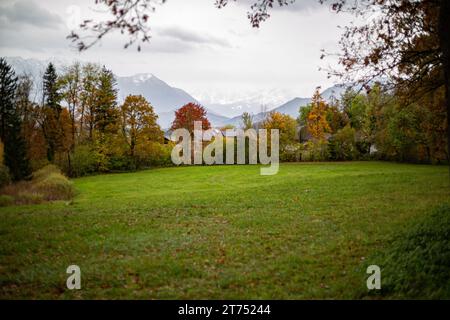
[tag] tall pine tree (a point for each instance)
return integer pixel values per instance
(52, 96)
(15, 152)
(106, 113)
(51, 112)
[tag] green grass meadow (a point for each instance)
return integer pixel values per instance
(219, 232)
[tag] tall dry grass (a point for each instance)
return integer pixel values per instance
(47, 184)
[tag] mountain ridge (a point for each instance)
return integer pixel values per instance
(165, 99)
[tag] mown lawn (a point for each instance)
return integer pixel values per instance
(216, 232)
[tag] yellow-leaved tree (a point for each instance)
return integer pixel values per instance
(316, 120)
(287, 127)
(139, 127)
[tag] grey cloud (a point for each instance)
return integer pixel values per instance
(192, 37)
(32, 41)
(16, 14)
(45, 41)
(167, 46)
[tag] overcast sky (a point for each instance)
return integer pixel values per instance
(211, 53)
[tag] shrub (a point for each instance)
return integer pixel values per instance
(343, 145)
(47, 184)
(6, 200)
(84, 161)
(39, 163)
(315, 151)
(14, 189)
(27, 197)
(45, 172)
(151, 154)
(122, 163)
(53, 187)
(162, 155)
(291, 152)
(417, 263)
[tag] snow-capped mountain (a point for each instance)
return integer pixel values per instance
(162, 96)
(334, 92)
(33, 67)
(232, 103)
(293, 106)
(166, 99)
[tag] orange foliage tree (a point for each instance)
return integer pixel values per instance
(316, 120)
(187, 114)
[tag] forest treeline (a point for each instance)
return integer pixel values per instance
(80, 126)
(376, 124)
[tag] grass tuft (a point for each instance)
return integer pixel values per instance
(48, 184)
(6, 200)
(55, 186)
(45, 172)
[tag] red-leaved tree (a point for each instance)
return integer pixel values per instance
(187, 114)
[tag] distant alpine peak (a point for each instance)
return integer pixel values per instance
(142, 77)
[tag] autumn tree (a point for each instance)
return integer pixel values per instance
(63, 157)
(24, 105)
(406, 42)
(403, 40)
(187, 115)
(433, 125)
(139, 126)
(342, 145)
(88, 98)
(247, 121)
(336, 119)
(71, 87)
(285, 124)
(31, 114)
(303, 114)
(316, 120)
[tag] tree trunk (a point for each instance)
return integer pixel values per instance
(444, 38)
(80, 135)
(69, 173)
(72, 146)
